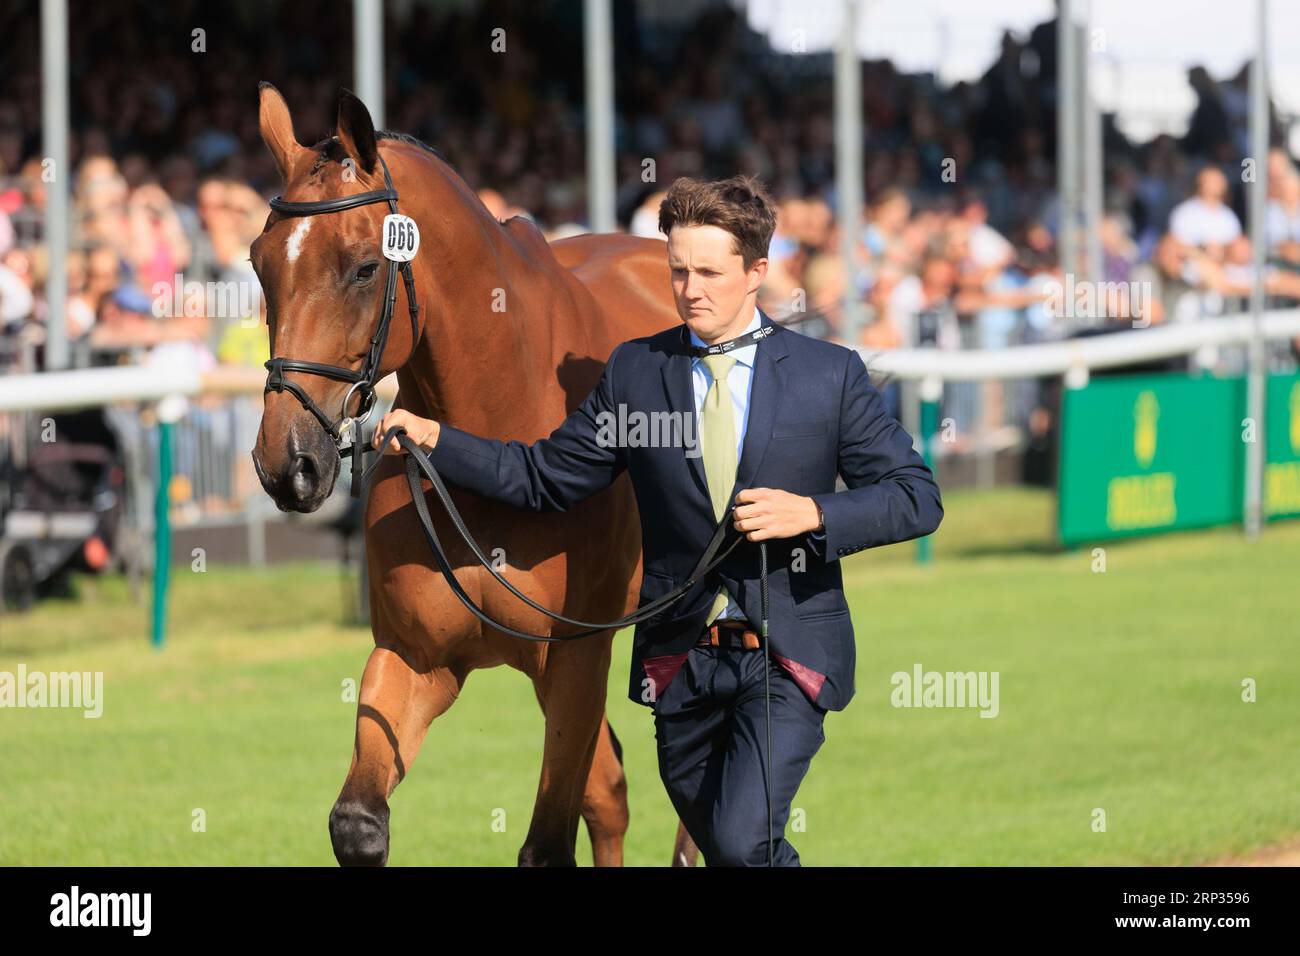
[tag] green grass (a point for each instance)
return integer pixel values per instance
(1118, 690)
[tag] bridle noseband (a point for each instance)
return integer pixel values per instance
(363, 379)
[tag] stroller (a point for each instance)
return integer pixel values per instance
(63, 491)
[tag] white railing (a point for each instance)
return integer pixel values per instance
(1072, 356)
(101, 386)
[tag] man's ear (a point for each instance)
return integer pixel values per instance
(757, 273)
(277, 129)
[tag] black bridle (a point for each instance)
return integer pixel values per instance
(363, 379)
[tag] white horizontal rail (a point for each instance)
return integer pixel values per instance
(55, 391)
(52, 391)
(1098, 351)
(97, 386)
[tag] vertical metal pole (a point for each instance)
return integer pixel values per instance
(162, 531)
(848, 163)
(1067, 139)
(1258, 194)
(54, 125)
(1093, 154)
(368, 56)
(137, 463)
(931, 393)
(598, 64)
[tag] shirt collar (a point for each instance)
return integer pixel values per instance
(745, 355)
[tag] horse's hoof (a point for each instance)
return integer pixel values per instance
(536, 856)
(359, 834)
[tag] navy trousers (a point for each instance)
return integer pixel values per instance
(712, 741)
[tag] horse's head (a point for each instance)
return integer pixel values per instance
(325, 278)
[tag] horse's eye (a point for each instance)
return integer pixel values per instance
(366, 271)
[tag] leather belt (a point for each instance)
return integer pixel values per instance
(730, 633)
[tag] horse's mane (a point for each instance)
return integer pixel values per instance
(331, 149)
(412, 141)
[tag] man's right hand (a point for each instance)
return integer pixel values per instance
(422, 431)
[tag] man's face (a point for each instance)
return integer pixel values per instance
(710, 282)
(1212, 186)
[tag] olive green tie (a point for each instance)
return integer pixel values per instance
(718, 435)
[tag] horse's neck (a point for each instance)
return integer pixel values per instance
(501, 322)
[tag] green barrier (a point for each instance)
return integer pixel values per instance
(1142, 454)
(1282, 450)
(929, 427)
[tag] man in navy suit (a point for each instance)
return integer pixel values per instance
(769, 418)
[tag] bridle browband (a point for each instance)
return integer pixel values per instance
(362, 379)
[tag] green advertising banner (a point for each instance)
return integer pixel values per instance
(1282, 451)
(1148, 453)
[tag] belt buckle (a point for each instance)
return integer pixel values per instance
(712, 636)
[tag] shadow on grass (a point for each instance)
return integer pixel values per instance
(103, 610)
(1003, 549)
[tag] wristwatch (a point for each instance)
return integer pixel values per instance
(821, 520)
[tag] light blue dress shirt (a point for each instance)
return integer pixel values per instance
(740, 381)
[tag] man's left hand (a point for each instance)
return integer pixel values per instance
(764, 513)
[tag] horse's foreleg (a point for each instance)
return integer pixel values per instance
(685, 852)
(604, 804)
(571, 688)
(394, 710)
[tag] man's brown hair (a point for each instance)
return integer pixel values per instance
(740, 205)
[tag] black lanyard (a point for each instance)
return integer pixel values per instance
(739, 342)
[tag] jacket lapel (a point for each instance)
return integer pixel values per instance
(765, 390)
(678, 387)
(768, 385)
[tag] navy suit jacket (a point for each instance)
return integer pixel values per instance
(813, 414)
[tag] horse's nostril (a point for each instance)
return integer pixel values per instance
(303, 464)
(303, 476)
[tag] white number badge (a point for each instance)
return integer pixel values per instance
(401, 237)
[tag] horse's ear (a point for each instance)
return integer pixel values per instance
(277, 128)
(356, 130)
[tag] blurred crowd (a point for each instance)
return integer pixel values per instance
(960, 231)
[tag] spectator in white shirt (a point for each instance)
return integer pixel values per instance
(1205, 220)
(1282, 221)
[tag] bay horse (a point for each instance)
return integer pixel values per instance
(511, 334)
